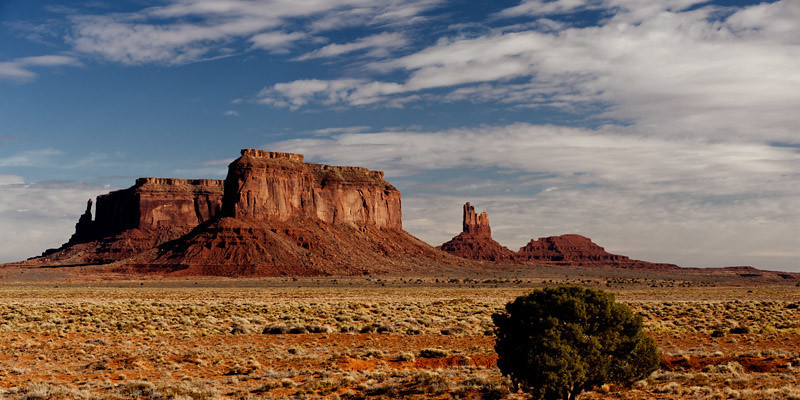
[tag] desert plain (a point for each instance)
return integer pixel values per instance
(69, 333)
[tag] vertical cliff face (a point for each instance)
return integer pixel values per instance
(133, 220)
(281, 216)
(151, 204)
(273, 215)
(474, 224)
(279, 186)
(475, 241)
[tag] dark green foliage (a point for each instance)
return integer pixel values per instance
(557, 342)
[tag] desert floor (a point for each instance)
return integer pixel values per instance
(367, 337)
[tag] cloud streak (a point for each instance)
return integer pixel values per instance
(20, 69)
(666, 69)
(161, 35)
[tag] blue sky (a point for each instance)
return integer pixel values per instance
(666, 131)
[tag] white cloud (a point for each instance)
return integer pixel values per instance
(15, 71)
(6, 179)
(161, 34)
(30, 158)
(276, 42)
(301, 92)
(50, 61)
(634, 8)
(48, 211)
(541, 7)
(681, 200)
(709, 71)
(20, 69)
(232, 113)
(340, 130)
(378, 44)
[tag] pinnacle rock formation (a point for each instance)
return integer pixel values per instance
(475, 241)
(273, 214)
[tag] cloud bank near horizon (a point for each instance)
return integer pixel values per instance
(635, 194)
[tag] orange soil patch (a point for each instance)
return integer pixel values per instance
(750, 364)
(354, 364)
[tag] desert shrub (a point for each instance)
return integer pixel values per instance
(372, 353)
(427, 382)
(433, 353)
(138, 389)
(557, 342)
(318, 329)
(277, 329)
(241, 326)
(46, 391)
(406, 356)
(739, 330)
(453, 330)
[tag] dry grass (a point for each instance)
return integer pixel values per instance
(357, 339)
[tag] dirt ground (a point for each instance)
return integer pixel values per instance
(366, 337)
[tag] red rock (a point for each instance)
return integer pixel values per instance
(475, 241)
(573, 249)
(132, 220)
(569, 249)
(280, 186)
(273, 215)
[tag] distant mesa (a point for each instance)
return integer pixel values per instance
(275, 215)
(272, 215)
(475, 242)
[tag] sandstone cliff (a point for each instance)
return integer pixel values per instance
(475, 240)
(273, 215)
(279, 186)
(132, 220)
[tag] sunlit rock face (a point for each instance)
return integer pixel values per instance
(279, 186)
(475, 240)
(273, 215)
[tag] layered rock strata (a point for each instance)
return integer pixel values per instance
(133, 220)
(279, 186)
(273, 215)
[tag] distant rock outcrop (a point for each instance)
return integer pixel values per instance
(475, 240)
(273, 215)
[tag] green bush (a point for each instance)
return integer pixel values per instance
(557, 342)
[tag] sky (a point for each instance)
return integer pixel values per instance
(664, 130)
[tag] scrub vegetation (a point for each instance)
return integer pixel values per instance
(354, 339)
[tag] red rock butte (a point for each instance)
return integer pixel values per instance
(475, 242)
(272, 215)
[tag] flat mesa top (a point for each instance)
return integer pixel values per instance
(256, 153)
